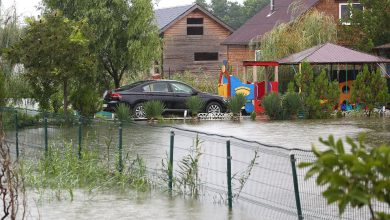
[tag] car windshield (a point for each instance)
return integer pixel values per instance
(127, 87)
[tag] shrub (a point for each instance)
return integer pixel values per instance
(370, 89)
(85, 100)
(291, 104)
(236, 103)
(272, 106)
(355, 177)
(253, 116)
(194, 104)
(123, 112)
(154, 109)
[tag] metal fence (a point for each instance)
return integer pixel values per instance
(260, 179)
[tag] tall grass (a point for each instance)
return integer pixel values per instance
(62, 171)
(123, 112)
(236, 103)
(194, 104)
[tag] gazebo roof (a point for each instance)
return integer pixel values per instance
(331, 54)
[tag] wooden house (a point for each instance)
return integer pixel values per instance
(238, 43)
(192, 39)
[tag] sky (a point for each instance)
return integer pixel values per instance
(28, 8)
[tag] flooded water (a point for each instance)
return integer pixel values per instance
(152, 143)
(130, 206)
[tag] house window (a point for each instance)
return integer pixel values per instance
(345, 12)
(204, 56)
(194, 20)
(194, 26)
(194, 30)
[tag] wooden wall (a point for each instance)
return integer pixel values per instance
(179, 48)
(237, 54)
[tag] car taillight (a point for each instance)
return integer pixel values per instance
(116, 96)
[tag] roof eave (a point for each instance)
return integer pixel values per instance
(196, 6)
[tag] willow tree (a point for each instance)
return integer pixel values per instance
(126, 37)
(305, 31)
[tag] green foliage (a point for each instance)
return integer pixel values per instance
(154, 109)
(291, 104)
(370, 89)
(201, 81)
(86, 100)
(3, 94)
(194, 104)
(55, 53)
(129, 45)
(62, 170)
(303, 32)
(236, 103)
(253, 116)
(369, 27)
(353, 177)
(319, 96)
(123, 112)
(188, 170)
(272, 105)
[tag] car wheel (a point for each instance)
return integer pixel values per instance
(214, 108)
(139, 111)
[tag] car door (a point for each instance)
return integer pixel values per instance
(182, 92)
(159, 91)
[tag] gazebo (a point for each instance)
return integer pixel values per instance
(341, 63)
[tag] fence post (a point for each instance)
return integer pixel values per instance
(80, 136)
(46, 135)
(296, 188)
(170, 165)
(229, 175)
(16, 135)
(120, 162)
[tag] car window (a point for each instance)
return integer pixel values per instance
(127, 87)
(178, 87)
(156, 87)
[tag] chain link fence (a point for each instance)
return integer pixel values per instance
(259, 179)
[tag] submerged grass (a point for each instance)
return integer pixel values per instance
(61, 170)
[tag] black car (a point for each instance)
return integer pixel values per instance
(172, 93)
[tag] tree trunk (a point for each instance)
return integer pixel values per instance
(117, 81)
(65, 96)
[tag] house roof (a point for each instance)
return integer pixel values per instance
(166, 17)
(331, 53)
(264, 21)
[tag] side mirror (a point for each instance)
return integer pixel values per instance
(194, 92)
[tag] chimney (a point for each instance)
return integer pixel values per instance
(272, 8)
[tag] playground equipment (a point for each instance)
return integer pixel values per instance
(230, 85)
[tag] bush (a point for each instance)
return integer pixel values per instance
(253, 116)
(123, 112)
(272, 106)
(194, 104)
(86, 100)
(291, 104)
(236, 103)
(154, 109)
